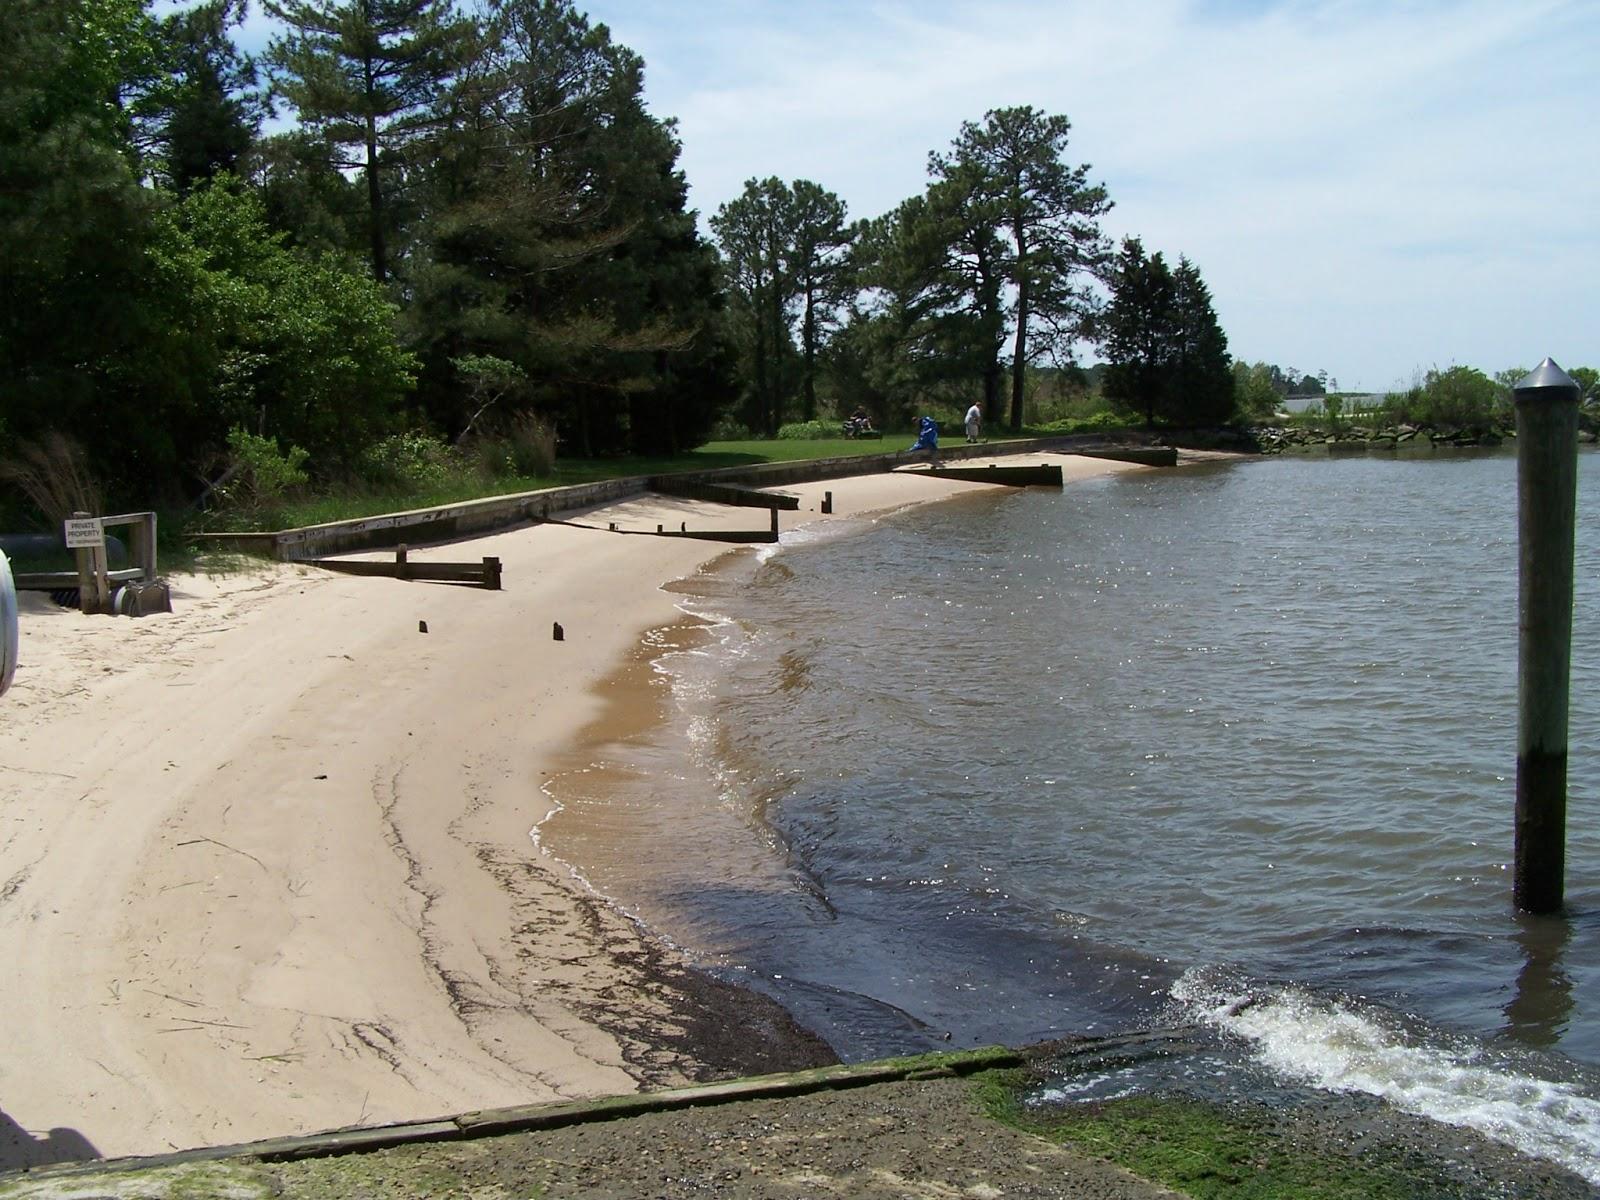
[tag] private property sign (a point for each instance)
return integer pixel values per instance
(85, 532)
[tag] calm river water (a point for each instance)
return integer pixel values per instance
(1232, 744)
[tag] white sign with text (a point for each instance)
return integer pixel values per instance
(84, 533)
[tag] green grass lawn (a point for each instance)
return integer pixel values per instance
(349, 504)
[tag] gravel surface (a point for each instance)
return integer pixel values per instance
(910, 1139)
(923, 1139)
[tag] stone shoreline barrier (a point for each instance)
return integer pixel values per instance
(1355, 437)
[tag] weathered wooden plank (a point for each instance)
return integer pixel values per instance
(141, 538)
(55, 581)
(742, 536)
(486, 573)
(1037, 475)
(1150, 456)
(722, 493)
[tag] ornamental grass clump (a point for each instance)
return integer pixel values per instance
(53, 475)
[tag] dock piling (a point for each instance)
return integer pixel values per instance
(1547, 485)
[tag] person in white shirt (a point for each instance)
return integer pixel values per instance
(974, 419)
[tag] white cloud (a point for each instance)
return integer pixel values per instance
(1368, 186)
(1363, 184)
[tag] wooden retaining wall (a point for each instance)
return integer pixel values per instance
(449, 521)
(423, 525)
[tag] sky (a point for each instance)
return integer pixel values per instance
(1371, 188)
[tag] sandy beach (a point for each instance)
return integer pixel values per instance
(265, 864)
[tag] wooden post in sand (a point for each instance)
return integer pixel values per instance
(86, 538)
(1547, 488)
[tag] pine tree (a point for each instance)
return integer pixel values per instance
(818, 239)
(960, 242)
(1138, 331)
(1168, 357)
(211, 114)
(369, 76)
(1049, 213)
(75, 224)
(1203, 372)
(559, 240)
(752, 230)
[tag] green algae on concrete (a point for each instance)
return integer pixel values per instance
(1197, 1148)
(236, 1180)
(237, 1171)
(1337, 1147)
(933, 1125)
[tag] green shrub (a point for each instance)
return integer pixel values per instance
(1459, 396)
(810, 431)
(258, 473)
(730, 429)
(412, 461)
(523, 445)
(1094, 423)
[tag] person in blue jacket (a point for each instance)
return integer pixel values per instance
(927, 439)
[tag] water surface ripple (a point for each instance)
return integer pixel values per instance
(1021, 765)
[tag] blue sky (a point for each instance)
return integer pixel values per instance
(1369, 188)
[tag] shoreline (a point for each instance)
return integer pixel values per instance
(266, 864)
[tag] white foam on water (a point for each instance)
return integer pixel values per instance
(824, 531)
(1340, 1047)
(1101, 1086)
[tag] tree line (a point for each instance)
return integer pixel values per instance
(474, 227)
(998, 267)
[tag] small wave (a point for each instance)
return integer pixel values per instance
(813, 534)
(1341, 1046)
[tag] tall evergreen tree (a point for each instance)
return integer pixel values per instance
(369, 76)
(559, 241)
(306, 197)
(958, 243)
(929, 313)
(1139, 330)
(1049, 213)
(1203, 371)
(786, 250)
(1168, 357)
(211, 113)
(75, 224)
(818, 239)
(867, 359)
(753, 231)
